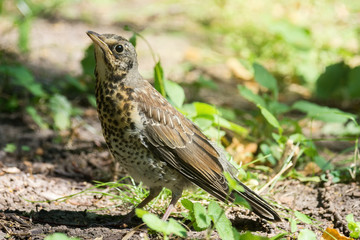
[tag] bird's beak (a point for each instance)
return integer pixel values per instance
(95, 37)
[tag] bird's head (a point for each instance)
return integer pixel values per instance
(114, 54)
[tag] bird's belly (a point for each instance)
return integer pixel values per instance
(143, 166)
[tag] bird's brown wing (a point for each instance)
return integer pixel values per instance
(180, 143)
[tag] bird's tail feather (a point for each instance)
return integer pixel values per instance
(258, 205)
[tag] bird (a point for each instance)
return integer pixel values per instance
(152, 140)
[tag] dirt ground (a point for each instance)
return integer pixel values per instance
(51, 169)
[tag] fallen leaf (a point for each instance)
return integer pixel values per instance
(332, 234)
(238, 70)
(11, 170)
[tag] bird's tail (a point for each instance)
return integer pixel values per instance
(258, 205)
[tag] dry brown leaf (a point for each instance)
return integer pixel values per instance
(332, 234)
(192, 55)
(238, 70)
(310, 169)
(241, 152)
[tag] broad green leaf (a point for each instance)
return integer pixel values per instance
(295, 35)
(10, 148)
(140, 212)
(302, 217)
(322, 113)
(354, 82)
(175, 92)
(270, 118)
(306, 234)
(154, 222)
(61, 109)
(202, 219)
(205, 109)
(187, 204)
(36, 117)
(173, 227)
(264, 78)
(331, 80)
(250, 96)
(222, 224)
(159, 79)
(204, 123)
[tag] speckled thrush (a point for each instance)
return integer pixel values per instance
(153, 141)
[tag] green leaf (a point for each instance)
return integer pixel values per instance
(306, 234)
(155, 223)
(159, 79)
(241, 201)
(354, 82)
(176, 228)
(322, 113)
(140, 212)
(203, 122)
(132, 39)
(250, 96)
(23, 77)
(323, 163)
(293, 225)
(188, 204)
(10, 148)
(233, 184)
(331, 80)
(24, 27)
(270, 118)
(297, 36)
(205, 109)
(175, 92)
(61, 109)
(36, 117)
(92, 100)
(249, 236)
(354, 227)
(302, 217)
(60, 236)
(222, 122)
(202, 219)
(88, 62)
(222, 224)
(25, 148)
(265, 79)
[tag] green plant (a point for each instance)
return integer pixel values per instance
(59, 236)
(166, 228)
(20, 90)
(353, 226)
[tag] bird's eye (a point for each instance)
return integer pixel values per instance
(119, 48)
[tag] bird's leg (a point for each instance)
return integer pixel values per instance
(175, 196)
(152, 194)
